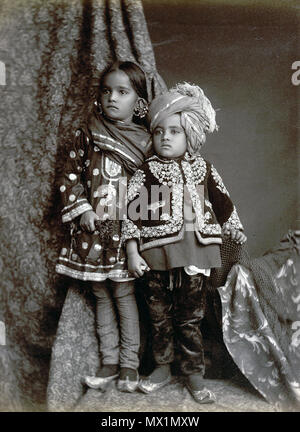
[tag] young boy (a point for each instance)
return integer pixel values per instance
(173, 254)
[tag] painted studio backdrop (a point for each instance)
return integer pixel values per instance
(52, 54)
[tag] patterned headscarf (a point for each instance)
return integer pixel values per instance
(197, 114)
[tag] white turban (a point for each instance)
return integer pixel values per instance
(197, 114)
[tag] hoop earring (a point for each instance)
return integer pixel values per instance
(141, 108)
(98, 106)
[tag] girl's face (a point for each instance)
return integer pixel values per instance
(169, 138)
(117, 96)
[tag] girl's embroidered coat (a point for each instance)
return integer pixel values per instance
(103, 156)
(164, 196)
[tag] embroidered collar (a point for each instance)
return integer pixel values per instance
(186, 157)
(166, 171)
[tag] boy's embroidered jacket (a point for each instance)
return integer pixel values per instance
(164, 196)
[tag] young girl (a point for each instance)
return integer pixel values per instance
(106, 152)
(174, 185)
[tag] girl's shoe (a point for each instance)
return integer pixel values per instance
(128, 381)
(108, 374)
(99, 382)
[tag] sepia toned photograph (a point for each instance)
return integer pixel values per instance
(150, 209)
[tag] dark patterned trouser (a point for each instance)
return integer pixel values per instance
(176, 304)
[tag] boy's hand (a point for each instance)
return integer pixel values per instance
(235, 235)
(87, 220)
(136, 264)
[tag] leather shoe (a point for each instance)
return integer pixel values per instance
(147, 386)
(203, 396)
(99, 382)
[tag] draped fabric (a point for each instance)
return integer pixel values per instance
(53, 52)
(261, 321)
(134, 139)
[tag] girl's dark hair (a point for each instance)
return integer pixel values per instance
(135, 74)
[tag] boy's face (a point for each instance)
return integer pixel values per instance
(169, 138)
(118, 97)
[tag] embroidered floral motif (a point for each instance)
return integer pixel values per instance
(199, 170)
(167, 173)
(211, 229)
(135, 184)
(219, 181)
(190, 183)
(207, 216)
(208, 204)
(165, 217)
(129, 230)
(175, 222)
(233, 221)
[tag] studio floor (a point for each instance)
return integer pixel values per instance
(233, 395)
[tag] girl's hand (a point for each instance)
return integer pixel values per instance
(136, 264)
(235, 235)
(87, 220)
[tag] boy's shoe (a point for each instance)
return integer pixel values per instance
(148, 385)
(201, 394)
(99, 382)
(128, 380)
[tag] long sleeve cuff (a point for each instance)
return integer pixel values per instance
(233, 221)
(130, 231)
(76, 209)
